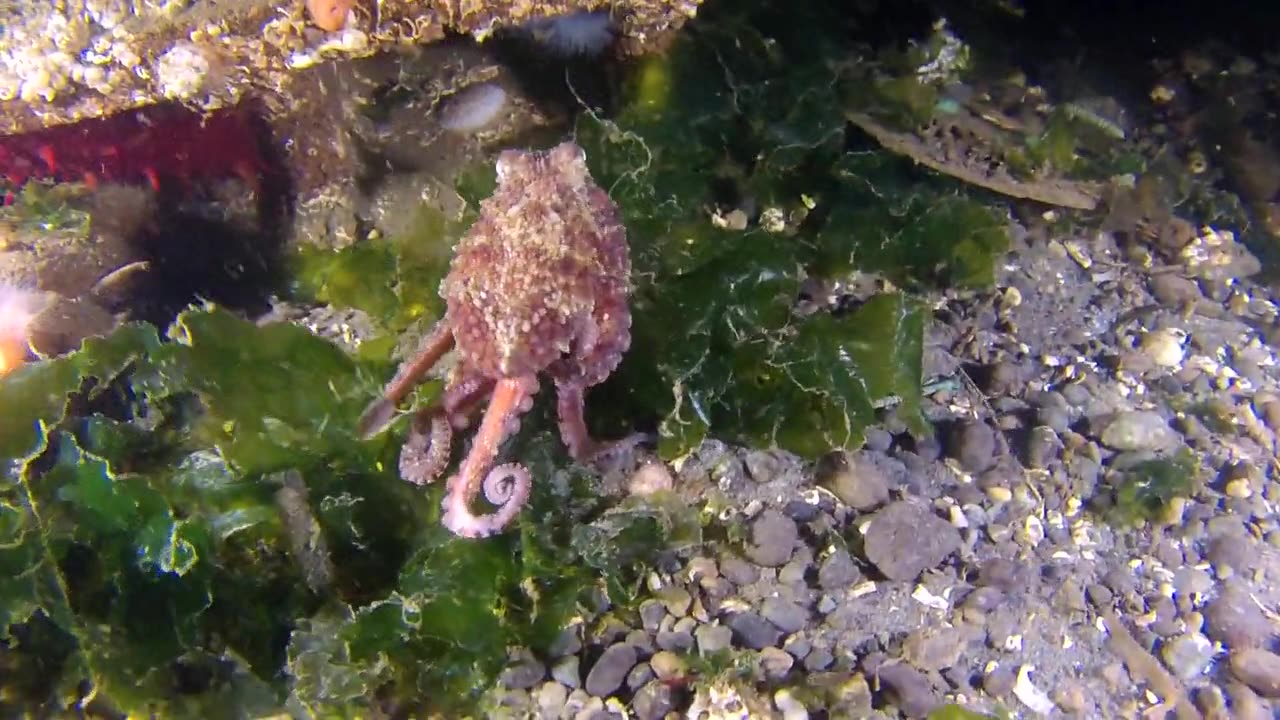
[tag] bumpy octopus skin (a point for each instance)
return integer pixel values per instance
(539, 284)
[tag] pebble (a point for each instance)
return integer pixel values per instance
(999, 681)
(984, 599)
(676, 599)
(1001, 573)
(787, 616)
(1271, 415)
(774, 663)
(1139, 430)
(1246, 705)
(1163, 347)
(551, 698)
(592, 709)
(524, 672)
(934, 648)
(878, 439)
(1072, 699)
(611, 669)
(1191, 580)
(1234, 620)
(712, 639)
(762, 466)
(1077, 395)
(1188, 655)
(973, 444)
(1043, 446)
(1174, 290)
(789, 705)
(652, 613)
(1100, 595)
(1212, 702)
(798, 646)
(700, 568)
(739, 571)
(568, 642)
(1259, 669)
(773, 537)
(818, 659)
(654, 701)
(668, 665)
(753, 631)
(854, 478)
(911, 690)
(904, 539)
(795, 571)
(838, 571)
(639, 676)
(849, 695)
(674, 640)
(568, 672)
(1055, 414)
(650, 478)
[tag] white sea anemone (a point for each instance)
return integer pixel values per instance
(578, 33)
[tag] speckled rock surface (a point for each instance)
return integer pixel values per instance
(60, 63)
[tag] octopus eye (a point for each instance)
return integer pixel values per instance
(569, 153)
(508, 164)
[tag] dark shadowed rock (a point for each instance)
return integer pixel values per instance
(905, 539)
(1259, 669)
(1234, 620)
(773, 536)
(610, 670)
(910, 689)
(974, 445)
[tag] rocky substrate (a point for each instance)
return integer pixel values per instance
(992, 565)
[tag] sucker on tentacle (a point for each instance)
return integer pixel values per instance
(426, 450)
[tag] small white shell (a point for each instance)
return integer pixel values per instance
(473, 108)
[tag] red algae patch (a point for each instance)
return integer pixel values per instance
(152, 145)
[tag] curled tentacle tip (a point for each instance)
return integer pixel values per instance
(506, 486)
(426, 451)
(376, 418)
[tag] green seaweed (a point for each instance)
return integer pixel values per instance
(956, 712)
(148, 557)
(43, 208)
(1144, 491)
(718, 349)
(146, 553)
(395, 280)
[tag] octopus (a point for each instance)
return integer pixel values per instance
(538, 286)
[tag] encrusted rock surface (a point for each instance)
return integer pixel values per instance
(64, 62)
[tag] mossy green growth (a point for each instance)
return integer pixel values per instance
(1144, 491)
(751, 119)
(48, 209)
(395, 280)
(956, 712)
(146, 550)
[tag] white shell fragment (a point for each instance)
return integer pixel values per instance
(1030, 695)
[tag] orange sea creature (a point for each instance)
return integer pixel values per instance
(330, 15)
